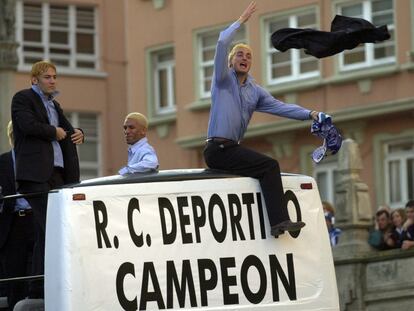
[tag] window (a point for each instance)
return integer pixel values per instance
(399, 172)
(378, 12)
(326, 176)
(207, 47)
(163, 66)
(294, 63)
(64, 34)
(89, 151)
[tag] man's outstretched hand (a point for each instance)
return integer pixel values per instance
(251, 8)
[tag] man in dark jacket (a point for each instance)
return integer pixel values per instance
(46, 155)
(16, 230)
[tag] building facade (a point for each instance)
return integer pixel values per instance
(156, 57)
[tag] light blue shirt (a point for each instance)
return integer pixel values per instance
(141, 158)
(53, 120)
(232, 104)
(21, 203)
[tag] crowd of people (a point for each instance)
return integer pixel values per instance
(393, 228)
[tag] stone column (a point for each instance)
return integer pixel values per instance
(353, 206)
(8, 66)
(354, 217)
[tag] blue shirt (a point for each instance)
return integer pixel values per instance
(141, 158)
(53, 120)
(232, 104)
(21, 203)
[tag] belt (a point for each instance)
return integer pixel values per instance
(221, 142)
(23, 212)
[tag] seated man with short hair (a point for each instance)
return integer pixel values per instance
(141, 155)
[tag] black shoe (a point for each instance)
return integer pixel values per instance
(286, 225)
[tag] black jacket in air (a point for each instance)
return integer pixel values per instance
(346, 33)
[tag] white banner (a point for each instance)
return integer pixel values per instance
(181, 245)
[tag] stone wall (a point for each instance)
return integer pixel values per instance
(376, 281)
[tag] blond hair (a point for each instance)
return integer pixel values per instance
(10, 133)
(234, 50)
(401, 212)
(41, 67)
(142, 120)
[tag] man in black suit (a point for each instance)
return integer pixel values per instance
(46, 155)
(16, 230)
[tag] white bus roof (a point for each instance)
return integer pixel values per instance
(160, 176)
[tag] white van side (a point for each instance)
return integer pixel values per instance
(185, 240)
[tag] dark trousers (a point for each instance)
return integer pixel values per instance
(39, 206)
(16, 256)
(242, 161)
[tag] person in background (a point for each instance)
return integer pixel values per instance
(141, 155)
(381, 231)
(329, 213)
(45, 148)
(16, 230)
(398, 218)
(235, 95)
(384, 207)
(408, 239)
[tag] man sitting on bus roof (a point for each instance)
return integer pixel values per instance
(234, 97)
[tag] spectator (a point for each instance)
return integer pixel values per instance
(408, 240)
(328, 208)
(16, 230)
(398, 218)
(141, 155)
(384, 207)
(382, 230)
(330, 223)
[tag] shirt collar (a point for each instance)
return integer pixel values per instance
(249, 78)
(37, 89)
(138, 144)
